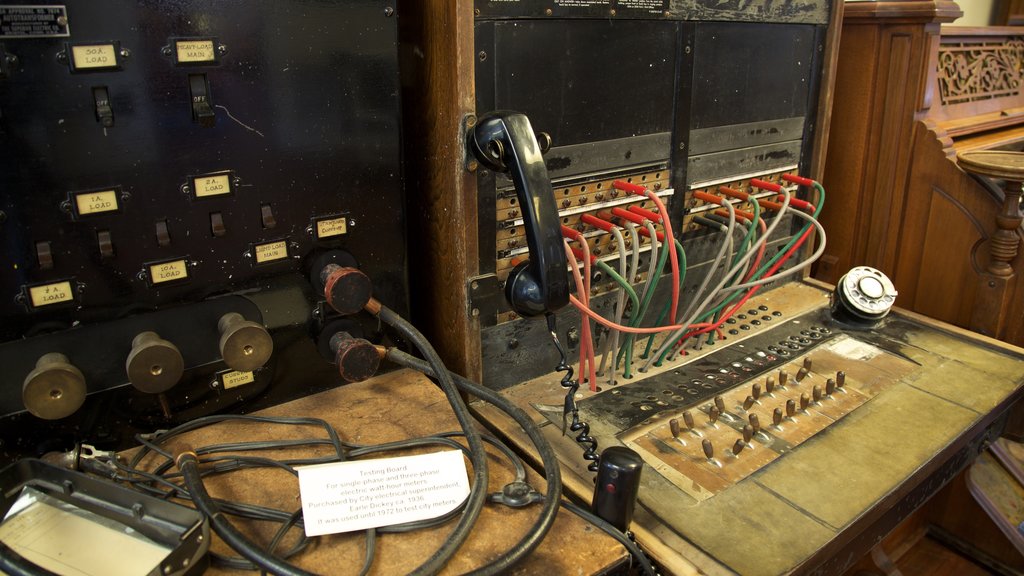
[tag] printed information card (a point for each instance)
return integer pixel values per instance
(347, 496)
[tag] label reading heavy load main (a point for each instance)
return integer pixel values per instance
(33, 22)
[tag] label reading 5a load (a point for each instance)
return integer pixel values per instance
(233, 378)
(171, 271)
(195, 51)
(94, 57)
(347, 496)
(97, 202)
(211, 185)
(331, 227)
(49, 294)
(270, 251)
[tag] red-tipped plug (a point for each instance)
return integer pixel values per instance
(630, 187)
(798, 180)
(347, 290)
(770, 186)
(652, 216)
(357, 359)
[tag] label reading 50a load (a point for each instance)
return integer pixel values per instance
(94, 57)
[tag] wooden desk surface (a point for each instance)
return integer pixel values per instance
(396, 406)
(822, 500)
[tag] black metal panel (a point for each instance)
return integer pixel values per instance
(745, 73)
(305, 97)
(587, 81)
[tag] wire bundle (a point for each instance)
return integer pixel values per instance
(737, 272)
(193, 466)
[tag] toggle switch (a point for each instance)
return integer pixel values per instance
(105, 243)
(267, 216)
(44, 255)
(154, 365)
(217, 225)
(202, 104)
(163, 235)
(101, 106)
(357, 359)
(244, 344)
(55, 389)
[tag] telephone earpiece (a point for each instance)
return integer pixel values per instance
(504, 141)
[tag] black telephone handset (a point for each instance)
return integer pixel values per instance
(504, 141)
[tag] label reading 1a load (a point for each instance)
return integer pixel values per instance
(172, 271)
(195, 51)
(97, 202)
(331, 227)
(94, 57)
(49, 294)
(233, 378)
(212, 185)
(270, 251)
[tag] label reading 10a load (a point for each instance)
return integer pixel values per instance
(167, 272)
(33, 22)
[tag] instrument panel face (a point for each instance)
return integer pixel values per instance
(157, 155)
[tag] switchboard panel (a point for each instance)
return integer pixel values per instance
(186, 168)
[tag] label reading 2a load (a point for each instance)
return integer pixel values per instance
(355, 495)
(171, 271)
(211, 185)
(96, 202)
(270, 251)
(50, 294)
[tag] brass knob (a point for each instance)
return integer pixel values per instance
(54, 389)
(154, 365)
(357, 359)
(244, 344)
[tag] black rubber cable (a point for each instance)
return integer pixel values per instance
(614, 532)
(549, 461)
(478, 491)
(189, 466)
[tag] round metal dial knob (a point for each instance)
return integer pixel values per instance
(863, 295)
(154, 365)
(244, 344)
(54, 389)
